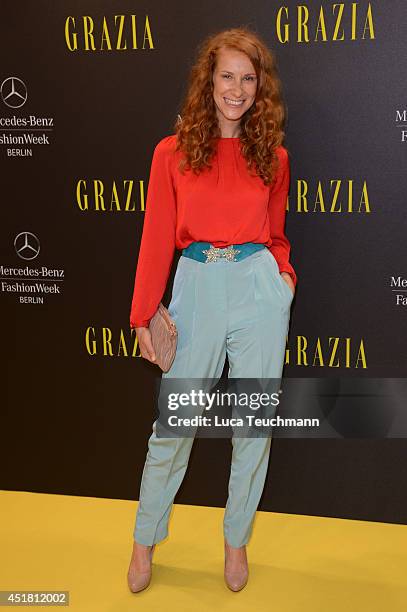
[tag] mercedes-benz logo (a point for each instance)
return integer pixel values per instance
(27, 245)
(13, 92)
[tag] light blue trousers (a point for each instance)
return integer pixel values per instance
(241, 309)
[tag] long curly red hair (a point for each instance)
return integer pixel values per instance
(261, 127)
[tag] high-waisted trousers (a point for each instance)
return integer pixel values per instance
(238, 308)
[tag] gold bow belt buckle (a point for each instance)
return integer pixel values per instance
(215, 253)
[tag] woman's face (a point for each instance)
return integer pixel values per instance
(234, 86)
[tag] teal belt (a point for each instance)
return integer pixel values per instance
(207, 253)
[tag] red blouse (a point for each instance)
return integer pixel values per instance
(223, 205)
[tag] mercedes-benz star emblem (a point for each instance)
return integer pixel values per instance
(13, 92)
(27, 245)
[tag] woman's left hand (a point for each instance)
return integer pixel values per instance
(287, 278)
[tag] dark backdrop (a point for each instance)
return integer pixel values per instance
(76, 396)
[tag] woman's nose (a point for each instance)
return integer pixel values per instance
(237, 89)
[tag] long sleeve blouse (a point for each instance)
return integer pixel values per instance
(223, 205)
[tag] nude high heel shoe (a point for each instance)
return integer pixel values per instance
(139, 580)
(236, 567)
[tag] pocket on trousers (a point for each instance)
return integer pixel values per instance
(177, 288)
(285, 288)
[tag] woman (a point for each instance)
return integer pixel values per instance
(218, 190)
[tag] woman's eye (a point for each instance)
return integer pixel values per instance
(229, 76)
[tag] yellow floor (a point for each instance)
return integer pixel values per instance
(297, 563)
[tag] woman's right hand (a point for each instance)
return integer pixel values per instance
(145, 343)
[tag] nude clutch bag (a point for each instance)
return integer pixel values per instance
(164, 336)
